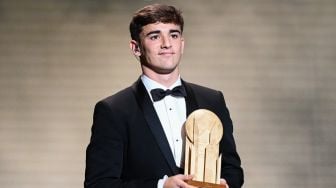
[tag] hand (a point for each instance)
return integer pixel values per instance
(178, 181)
(223, 182)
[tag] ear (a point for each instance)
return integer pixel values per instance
(134, 45)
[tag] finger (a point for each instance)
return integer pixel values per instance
(189, 177)
(186, 185)
(223, 182)
(190, 186)
(182, 184)
(182, 181)
(185, 177)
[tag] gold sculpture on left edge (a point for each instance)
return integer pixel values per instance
(204, 131)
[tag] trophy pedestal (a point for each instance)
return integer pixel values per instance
(200, 184)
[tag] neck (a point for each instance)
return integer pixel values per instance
(165, 79)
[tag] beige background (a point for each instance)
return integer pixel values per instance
(274, 60)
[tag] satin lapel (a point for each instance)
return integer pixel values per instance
(191, 102)
(154, 123)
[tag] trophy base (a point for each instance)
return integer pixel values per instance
(201, 184)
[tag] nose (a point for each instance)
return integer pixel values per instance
(166, 43)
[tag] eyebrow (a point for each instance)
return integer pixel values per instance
(158, 31)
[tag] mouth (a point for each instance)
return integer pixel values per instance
(166, 53)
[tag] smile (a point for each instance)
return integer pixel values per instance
(166, 53)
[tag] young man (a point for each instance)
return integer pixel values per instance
(137, 133)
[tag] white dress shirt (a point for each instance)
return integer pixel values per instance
(171, 111)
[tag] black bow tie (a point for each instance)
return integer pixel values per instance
(158, 94)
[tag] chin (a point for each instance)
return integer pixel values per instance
(165, 70)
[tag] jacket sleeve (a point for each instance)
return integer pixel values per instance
(106, 151)
(231, 169)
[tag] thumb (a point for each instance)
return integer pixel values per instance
(188, 177)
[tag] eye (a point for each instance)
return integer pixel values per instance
(153, 37)
(175, 35)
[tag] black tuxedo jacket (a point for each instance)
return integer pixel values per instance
(129, 149)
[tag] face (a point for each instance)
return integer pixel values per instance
(160, 49)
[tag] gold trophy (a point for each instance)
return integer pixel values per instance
(204, 131)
